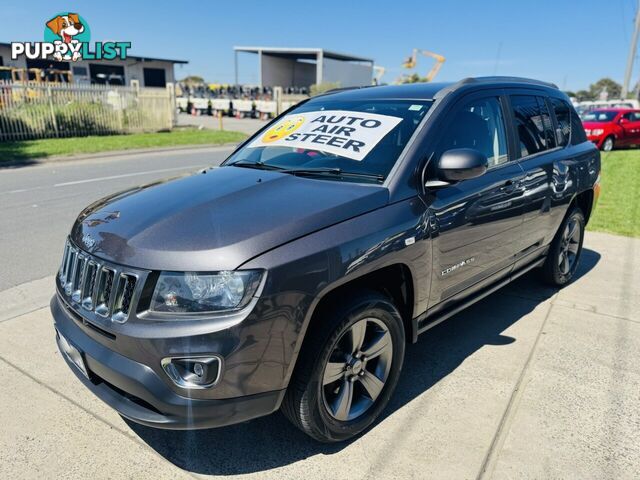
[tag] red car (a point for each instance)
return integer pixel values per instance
(612, 127)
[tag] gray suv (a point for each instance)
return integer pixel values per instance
(293, 276)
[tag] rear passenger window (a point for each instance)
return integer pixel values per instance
(577, 130)
(632, 116)
(533, 123)
(562, 111)
(479, 125)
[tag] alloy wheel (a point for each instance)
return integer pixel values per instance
(569, 246)
(357, 369)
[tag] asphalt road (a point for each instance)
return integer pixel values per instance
(39, 203)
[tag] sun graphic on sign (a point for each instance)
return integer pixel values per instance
(282, 129)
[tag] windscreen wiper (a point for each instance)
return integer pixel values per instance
(338, 172)
(256, 165)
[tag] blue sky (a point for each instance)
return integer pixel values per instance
(569, 42)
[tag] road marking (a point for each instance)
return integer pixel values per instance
(124, 175)
(101, 179)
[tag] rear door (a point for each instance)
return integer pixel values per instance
(477, 222)
(542, 153)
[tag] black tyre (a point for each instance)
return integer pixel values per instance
(348, 368)
(608, 144)
(566, 248)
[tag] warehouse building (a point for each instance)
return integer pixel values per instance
(302, 67)
(150, 72)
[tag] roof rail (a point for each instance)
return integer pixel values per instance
(342, 89)
(505, 79)
(493, 79)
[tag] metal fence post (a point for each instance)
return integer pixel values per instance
(53, 114)
(172, 120)
(277, 96)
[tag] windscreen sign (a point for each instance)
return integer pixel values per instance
(346, 133)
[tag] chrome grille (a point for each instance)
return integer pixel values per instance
(124, 293)
(91, 284)
(103, 292)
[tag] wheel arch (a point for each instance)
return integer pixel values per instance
(395, 281)
(583, 200)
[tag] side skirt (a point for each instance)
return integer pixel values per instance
(424, 322)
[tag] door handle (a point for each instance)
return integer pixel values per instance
(508, 187)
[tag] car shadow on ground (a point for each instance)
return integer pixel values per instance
(272, 442)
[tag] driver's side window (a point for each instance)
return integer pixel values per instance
(478, 125)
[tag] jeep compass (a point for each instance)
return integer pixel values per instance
(293, 276)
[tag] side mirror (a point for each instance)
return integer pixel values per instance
(623, 120)
(461, 164)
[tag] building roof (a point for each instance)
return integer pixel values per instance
(304, 53)
(133, 57)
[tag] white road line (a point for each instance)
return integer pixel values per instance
(99, 179)
(124, 175)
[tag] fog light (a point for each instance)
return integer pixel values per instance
(193, 372)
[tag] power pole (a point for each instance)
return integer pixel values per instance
(632, 53)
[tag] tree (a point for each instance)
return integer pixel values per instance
(192, 79)
(612, 88)
(413, 78)
(318, 88)
(583, 95)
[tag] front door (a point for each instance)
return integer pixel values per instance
(630, 123)
(476, 223)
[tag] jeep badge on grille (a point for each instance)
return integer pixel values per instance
(88, 240)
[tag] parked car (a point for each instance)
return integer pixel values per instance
(612, 127)
(585, 107)
(294, 275)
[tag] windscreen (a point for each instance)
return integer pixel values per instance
(599, 116)
(358, 137)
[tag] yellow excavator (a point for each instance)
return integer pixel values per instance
(412, 61)
(37, 75)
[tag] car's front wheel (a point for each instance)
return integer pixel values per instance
(565, 250)
(608, 143)
(348, 368)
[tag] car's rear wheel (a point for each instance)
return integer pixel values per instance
(608, 144)
(348, 368)
(565, 250)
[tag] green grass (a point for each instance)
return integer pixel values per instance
(34, 149)
(618, 210)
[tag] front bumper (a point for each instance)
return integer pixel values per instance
(137, 391)
(597, 139)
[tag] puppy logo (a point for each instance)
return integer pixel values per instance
(282, 129)
(65, 28)
(68, 36)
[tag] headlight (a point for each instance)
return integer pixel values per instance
(597, 131)
(192, 292)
